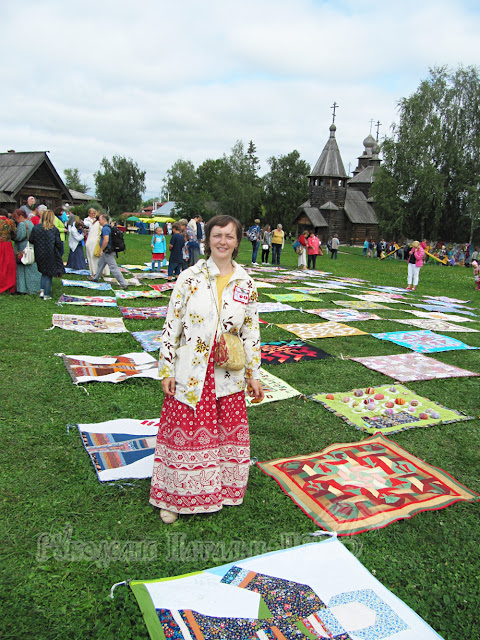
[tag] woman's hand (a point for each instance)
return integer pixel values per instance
(168, 386)
(255, 389)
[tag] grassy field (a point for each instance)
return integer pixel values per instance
(49, 487)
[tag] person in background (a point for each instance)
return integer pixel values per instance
(91, 243)
(335, 245)
(415, 261)
(302, 256)
(266, 243)
(254, 234)
(202, 455)
(76, 257)
(34, 217)
(177, 242)
(313, 249)
(8, 268)
(28, 275)
(159, 249)
(365, 248)
(192, 248)
(91, 218)
(59, 224)
(45, 238)
(278, 242)
(107, 254)
(476, 274)
(28, 208)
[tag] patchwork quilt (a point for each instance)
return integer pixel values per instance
(343, 315)
(446, 300)
(444, 309)
(423, 341)
(131, 282)
(136, 267)
(360, 304)
(150, 340)
(407, 367)
(121, 449)
(77, 272)
(386, 409)
(274, 389)
(291, 297)
(321, 330)
(291, 351)
(88, 324)
(434, 324)
(264, 285)
(355, 487)
(110, 368)
(449, 317)
(312, 291)
(274, 307)
(374, 297)
(143, 313)
(166, 286)
(278, 595)
(131, 295)
(86, 284)
(89, 301)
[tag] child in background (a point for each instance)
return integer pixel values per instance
(159, 248)
(176, 245)
(476, 273)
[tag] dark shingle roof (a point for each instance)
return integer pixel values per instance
(358, 209)
(330, 164)
(17, 168)
(329, 206)
(366, 176)
(313, 214)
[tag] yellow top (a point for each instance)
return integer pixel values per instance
(277, 237)
(221, 284)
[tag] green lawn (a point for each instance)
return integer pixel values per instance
(49, 487)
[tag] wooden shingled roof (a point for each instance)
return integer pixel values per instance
(330, 164)
(357, 209)
(313, 214)
(17, 168)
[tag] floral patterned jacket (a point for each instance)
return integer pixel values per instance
(191, 326)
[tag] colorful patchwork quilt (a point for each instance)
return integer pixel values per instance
(422, 341)
(89, 301)
(110, 368)
(121, 449)
(130, 295)
(386, 409)
(355, 487)
(88, 324)
(152, 276)
(77, 272)
(321, 330)
(280, 595)
(143, 313)
(166, 286)
(326, 284)
(374, 297)
(359, 304)
(312, 291)
(131, 282)
(291, 297)
(86, 284)
(274, 307)
(407, 367)
(444, 309)
(274, 389)
(264, 285)
(446, 300)
(291, 351)
(449, 317)
(136, 267)
(434, 324)
(150, 340)
(343, 315)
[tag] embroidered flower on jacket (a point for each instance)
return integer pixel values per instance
(202, 347)
(192, 397)
(192, 381)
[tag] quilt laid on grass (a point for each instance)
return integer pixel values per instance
(307, 331)
(86, 284)
(343, 315)
(374, 297)
(434, 324)
(110, 368)
(354, 487)
(150, 340)
(309, 291)
(291, 351)
(131, 282)
(166, 286)
(136, 267)
(159, 275)
(77, 272)
(280, 595)
(88, 324)
(438, 308)
(131, 295)
(359, 304)
(446, 300)
(291, 297)
(264, 285)
(143, 313)
(387, 409)
(423, 341)
(274, 307)
(274, 389)
(407, 367)
(89, 301)
(449, 317)
(121, 449)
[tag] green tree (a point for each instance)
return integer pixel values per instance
(286, 187)
(120, 184)
(431, 173)
(181, 182)
(239, 187)
(73, 180)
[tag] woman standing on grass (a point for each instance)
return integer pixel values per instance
(8, 270)
(202, 455)
(278, 242)
(415, 261)
(28, 276)
(45, 238)
(266, 243)
(302, 256)
(313, 250)
(76, 257)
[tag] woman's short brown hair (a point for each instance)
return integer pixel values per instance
(222, 221)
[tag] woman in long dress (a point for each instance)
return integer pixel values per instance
(202, 454)
(91, 242)
(8, 270)
(28, 275)
(76, 257)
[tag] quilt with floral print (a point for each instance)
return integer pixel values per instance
(89, 301)
(307, 331)
(88, 324)
(423, 341)
(143, 313)
(150, 340)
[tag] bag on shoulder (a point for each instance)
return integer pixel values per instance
(28, 256)
(229, 352)
(116, 240)
(298, 247)
(252, 234)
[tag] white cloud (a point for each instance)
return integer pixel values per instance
(156, 81)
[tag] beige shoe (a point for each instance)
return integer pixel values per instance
(168, 517)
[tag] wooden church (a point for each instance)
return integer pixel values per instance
(338, 203)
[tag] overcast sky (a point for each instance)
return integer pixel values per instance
(156, 81)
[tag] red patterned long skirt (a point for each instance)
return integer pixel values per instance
(202, 457)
